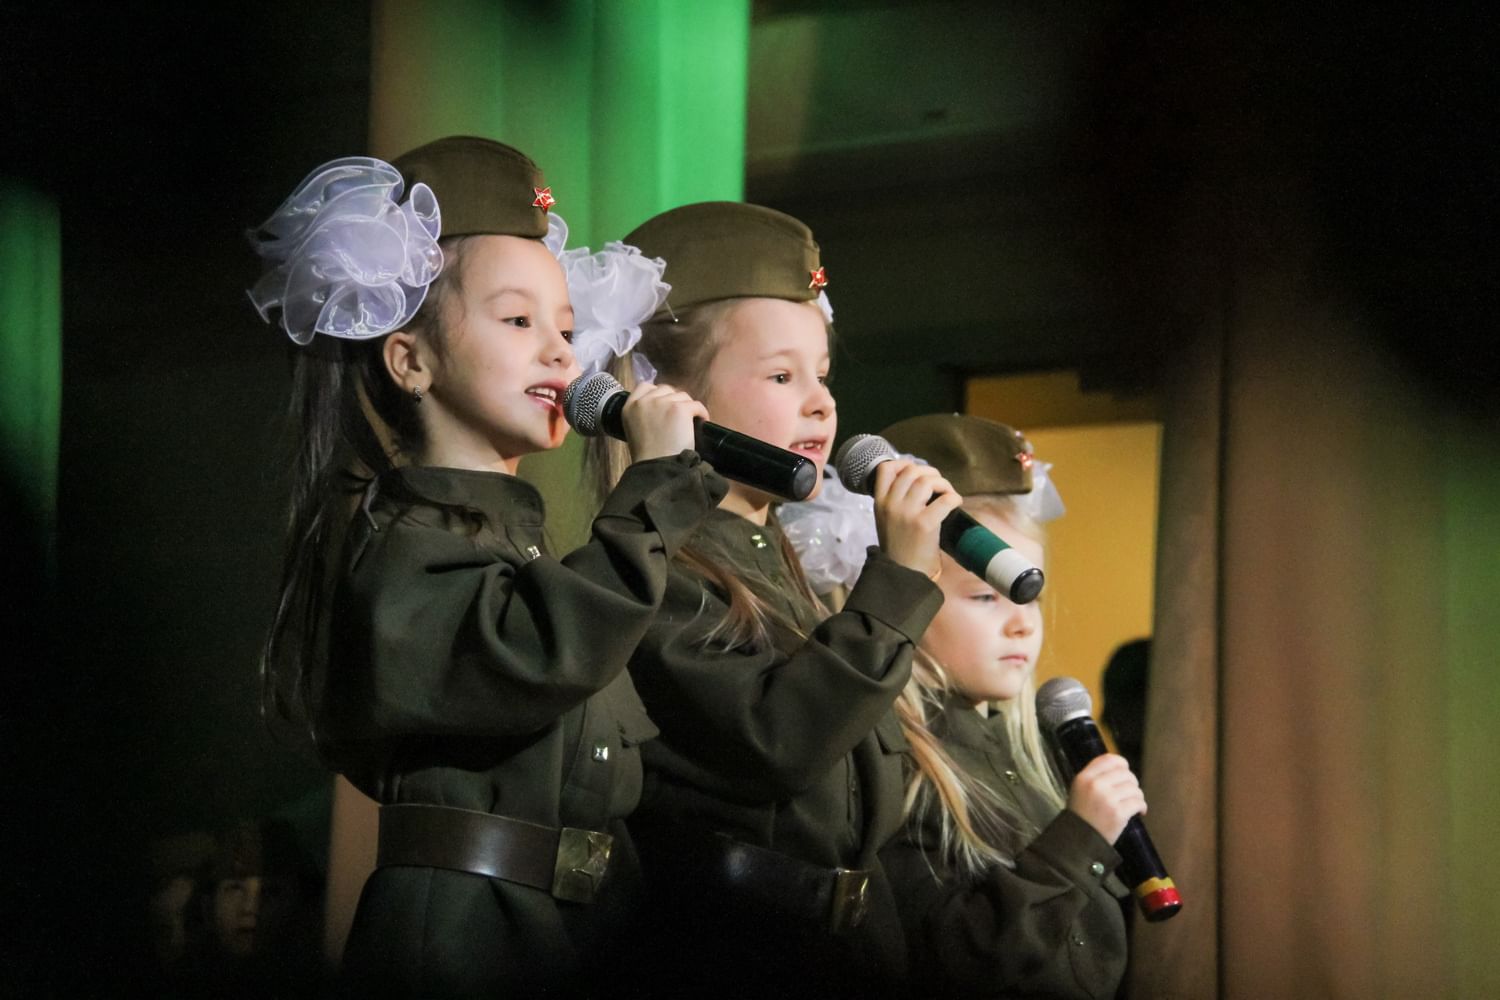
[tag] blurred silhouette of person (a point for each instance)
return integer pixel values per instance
(1124, 714)
(1124, 711)
(255, 918)
(175, 861)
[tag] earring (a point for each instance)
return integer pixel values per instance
(416, 394)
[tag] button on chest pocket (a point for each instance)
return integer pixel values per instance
(614, 723)
(606, 768)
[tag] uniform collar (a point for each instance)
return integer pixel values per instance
(496, 495)
(960, 723)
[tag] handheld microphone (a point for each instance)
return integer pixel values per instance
(1065, 710)
(973, 546)
(594, 404)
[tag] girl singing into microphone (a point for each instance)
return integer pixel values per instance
(444, 662)
(777, 774)
(1004, 879)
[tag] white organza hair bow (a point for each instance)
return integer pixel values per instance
(613, 292)
(832, 533)
(1043, 503)
(825, 307)
(344, 257)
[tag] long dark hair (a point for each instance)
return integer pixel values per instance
(351, 422)
(681, 348)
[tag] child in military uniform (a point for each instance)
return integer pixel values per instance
(452, 669)
(1004, 879)
(777, 772)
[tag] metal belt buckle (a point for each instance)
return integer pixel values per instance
(851, 898)
(582, 861)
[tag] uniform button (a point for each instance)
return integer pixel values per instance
(1012, 777)
(601, 751)
(1078, 940)
(1096, 868)
(759, 540)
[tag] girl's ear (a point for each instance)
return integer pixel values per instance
(405, 361)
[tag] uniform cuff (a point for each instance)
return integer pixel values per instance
(670, 496)
(1076, 850)
(899, 597)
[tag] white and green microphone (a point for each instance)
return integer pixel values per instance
(973, 546)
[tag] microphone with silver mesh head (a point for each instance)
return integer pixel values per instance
(973, 546)
(1065, 710)
(595, 404)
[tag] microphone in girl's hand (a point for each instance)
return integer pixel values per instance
(594, 404)
(1065, 710)
(973, 546)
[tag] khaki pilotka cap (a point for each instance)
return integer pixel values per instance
(727, 250)
(974, 454)
(482, 186)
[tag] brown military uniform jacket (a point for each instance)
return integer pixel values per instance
(791, 747)
(1050, 927)
(473, 670)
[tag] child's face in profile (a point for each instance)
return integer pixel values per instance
(767, 381)
(498, 380)
(987, 644)
(249, 911)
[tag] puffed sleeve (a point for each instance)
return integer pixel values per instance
(762, 724)
(1050, 927)
(438, 634)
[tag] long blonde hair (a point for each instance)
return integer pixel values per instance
(681, 348)
(977, 827)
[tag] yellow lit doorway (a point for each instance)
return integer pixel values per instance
(1106, 453)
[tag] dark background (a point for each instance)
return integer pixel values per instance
(162, 135)
(129, 706)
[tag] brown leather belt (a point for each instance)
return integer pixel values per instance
(568, 863)
(836, 898)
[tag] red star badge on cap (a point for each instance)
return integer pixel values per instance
(819, 278)
(544, 199)
(1025, 458)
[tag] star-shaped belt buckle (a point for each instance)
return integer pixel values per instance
(582, 862)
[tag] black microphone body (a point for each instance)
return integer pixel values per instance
(596, 403)
(754, 462)
(1078, 740)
